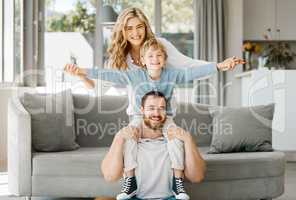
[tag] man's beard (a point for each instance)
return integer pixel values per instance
(158, 126)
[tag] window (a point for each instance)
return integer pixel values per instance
(10, 40)
(18, 40)
(68, 37)
(178, 24)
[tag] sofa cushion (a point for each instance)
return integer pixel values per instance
(86, 161)
(238, 129)
(229, 166)
(52, 119)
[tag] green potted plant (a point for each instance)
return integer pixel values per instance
(278, 55)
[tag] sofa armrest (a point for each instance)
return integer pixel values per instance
(19, 149)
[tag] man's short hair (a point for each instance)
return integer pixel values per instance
(153, 93)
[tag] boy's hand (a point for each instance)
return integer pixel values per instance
(129, 132)
(178, 133)
(74, 70)
(230, 63)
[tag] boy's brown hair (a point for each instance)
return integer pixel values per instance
(155, 44)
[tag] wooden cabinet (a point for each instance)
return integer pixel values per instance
(256, 22)
(275, 18)
(286, 19)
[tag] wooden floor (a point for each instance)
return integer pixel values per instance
(290, 187)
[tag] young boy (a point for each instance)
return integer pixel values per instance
(155, 76)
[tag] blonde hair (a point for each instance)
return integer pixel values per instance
(120, 47)
(155, 44)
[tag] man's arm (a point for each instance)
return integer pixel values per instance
(112, 165)
(195, 166)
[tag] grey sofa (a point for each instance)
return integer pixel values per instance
(77, 173)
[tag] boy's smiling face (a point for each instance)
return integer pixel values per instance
(154, 59)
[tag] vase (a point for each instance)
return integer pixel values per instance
(248, 59)
(262, 62)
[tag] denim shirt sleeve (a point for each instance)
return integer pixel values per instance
(116, 76)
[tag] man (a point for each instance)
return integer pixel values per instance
(153, 170)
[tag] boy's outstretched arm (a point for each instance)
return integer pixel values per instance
(115, 76)
(186, 75)
(90, 84)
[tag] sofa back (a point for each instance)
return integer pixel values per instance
(98, 119)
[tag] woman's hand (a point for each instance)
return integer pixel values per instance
(74, 70)
(230, 63)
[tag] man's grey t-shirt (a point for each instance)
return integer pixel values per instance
(154, 174)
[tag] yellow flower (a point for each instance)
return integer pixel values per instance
(258, 49)
(248, 46)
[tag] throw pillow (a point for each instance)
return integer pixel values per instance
(52, 121)
(242, 129)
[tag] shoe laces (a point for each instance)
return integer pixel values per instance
(180, 185)
(126, 184)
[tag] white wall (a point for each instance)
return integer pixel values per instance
(233, 39)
